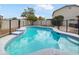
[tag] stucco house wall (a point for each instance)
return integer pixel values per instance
(69, 12)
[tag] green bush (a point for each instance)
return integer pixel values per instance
(57, 21)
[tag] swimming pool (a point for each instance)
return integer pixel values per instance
(36, 38)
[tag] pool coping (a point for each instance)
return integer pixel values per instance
(67, 33)
(70, 35)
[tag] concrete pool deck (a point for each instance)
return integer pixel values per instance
(3, 42)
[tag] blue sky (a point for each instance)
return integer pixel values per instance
(15, 10)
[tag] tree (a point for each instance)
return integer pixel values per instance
(14, 18)
(41, 18)
(57, 21)
(24, 13)
(29, 15)
(32, 19)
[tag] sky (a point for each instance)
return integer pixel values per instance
(15, 10)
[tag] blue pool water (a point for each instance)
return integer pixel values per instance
(36, 38)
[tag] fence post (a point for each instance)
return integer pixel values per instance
(9, 26)
(66, 25)
(18, 23)
(78, 27)
(78, 23)
(23, 23)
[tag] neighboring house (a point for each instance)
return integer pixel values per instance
(69, 12)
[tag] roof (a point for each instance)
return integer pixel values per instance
(64, 7)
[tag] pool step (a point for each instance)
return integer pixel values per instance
(21, 29)
(16, 33)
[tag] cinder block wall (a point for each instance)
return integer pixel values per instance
(14, 24)
(5, 24)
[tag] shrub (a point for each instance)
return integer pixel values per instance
(57, 21)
